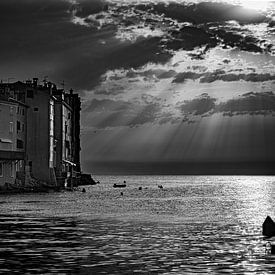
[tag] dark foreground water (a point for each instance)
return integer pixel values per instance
(207, 225)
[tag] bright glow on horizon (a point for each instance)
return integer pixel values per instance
(255, 5)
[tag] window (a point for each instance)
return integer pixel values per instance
(19, 144)
(35, 109)
(18, 110)
(20, 96)
(12, 169)
(69, 115)
(23, 127)
(11, 110)
(11, 127)
(68, 147)
(23, 112)
(17, 166)
(1, 169)
(29, 94)
(18, 126)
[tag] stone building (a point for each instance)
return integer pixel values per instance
(51, 145)
(67, 131)
(12, 139)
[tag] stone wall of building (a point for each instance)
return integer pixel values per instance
(47, 130)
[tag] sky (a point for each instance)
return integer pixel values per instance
(163, 84)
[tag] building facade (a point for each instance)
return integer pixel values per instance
(67, 136)
(48, 136)
(12, 140)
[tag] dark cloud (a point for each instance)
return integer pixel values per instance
(253, 103)
(153, 73)
(209, 26)
(33, 26)
(159, 73)
(109, 113)
(33, 10)
(237, 39)
(209, 77)
(206, 12)
(113, 56)
(182, 77)
(271, 24)
(209, 23)
(85, 8)
(252, 77)
(198, 106)
(190, 37)
(42, 32)
(40, 35)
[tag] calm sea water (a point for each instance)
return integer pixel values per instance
(207, 225)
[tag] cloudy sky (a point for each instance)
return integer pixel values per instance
(163, 83)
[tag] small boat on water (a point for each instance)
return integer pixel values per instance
(269, 227)
(269, 233)
(117, 185)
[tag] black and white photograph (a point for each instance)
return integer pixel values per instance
(137, 137)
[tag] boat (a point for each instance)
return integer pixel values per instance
(269, 233)
(269, 227)
(117, 185)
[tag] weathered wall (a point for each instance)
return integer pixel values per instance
(12, 130)
(38, 134)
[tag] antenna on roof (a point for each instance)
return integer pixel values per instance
(45, 80)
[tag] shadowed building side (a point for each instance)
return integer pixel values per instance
(67, 140)
(40, 132)
(12, 141)
(76, 108)
(63, 137)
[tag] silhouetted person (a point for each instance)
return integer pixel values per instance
(268, 227)
(160, 186)
(83, 190)
(121, 193)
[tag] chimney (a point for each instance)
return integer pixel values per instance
(35, 81)
(71, 91)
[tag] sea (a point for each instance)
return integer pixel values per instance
(193, 225)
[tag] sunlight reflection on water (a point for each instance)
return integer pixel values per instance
(194, 225)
